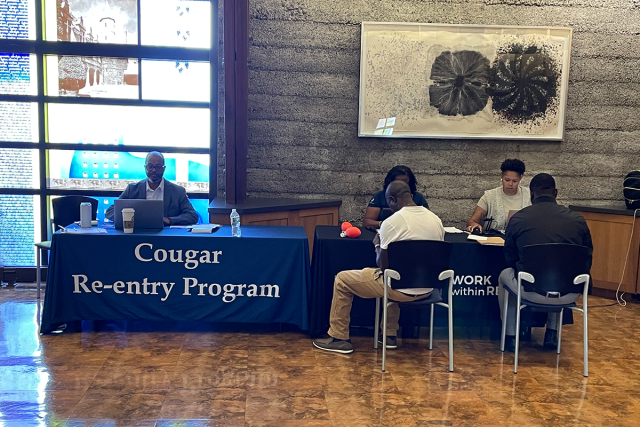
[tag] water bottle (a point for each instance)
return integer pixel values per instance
(235, 223)
(85, 215)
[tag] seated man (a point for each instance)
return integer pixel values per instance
(544, 221)
(408, 222)
(177, 207)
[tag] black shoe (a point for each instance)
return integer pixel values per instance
(333, 344)
(510, 343)
(392, 342)
(525, 334)
(550, 339)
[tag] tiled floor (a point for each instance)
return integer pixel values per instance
(141, 374)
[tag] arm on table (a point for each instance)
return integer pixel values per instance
(474, 222)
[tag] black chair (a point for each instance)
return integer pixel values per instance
(66, 210)
(417, 264)
(553, 269)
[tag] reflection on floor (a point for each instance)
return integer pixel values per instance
(141, 374)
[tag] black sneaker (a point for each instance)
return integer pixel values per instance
(392, 342)
(333, 344)
(550, 339)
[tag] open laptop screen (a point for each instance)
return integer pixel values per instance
(149, 213)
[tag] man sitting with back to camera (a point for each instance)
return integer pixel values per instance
(545, 221)
(408, 222)
(177, 207)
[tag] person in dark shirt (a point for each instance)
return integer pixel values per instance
(545, 221)
(373, 217)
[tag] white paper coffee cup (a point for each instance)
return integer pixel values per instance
(127, 219)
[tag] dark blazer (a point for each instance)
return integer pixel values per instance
(177, 206)
(544, 221)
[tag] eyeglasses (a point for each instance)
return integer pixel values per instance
(154, 167)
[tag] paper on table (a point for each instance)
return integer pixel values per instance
(452, 230)
(92, 230)
(476, 237)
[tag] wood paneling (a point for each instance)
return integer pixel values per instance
(307, 218)
(612, 246)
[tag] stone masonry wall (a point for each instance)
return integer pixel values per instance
(303, 99)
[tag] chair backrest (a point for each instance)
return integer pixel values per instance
(66, 210)
(554, 266)
(419, 263)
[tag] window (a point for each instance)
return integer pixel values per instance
(117, 78)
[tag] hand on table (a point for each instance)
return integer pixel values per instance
(166, 221)
(473, 226)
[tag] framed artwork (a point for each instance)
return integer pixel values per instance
(463, 81)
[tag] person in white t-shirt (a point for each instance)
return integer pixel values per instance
(496, 203)
(409, 222)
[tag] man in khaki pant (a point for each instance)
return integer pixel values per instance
(409, 222)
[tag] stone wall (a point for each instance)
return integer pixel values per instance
(303, 100)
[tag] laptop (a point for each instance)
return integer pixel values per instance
(149, 213)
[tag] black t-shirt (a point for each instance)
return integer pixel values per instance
(378, 201)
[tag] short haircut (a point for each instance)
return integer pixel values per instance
(399, 190)
(154, 153)
(513, 165)
(542, 183)
(397, 171)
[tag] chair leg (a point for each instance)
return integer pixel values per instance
(504, 320)
(450, 309)
(431, 329)
(560, 329)
(384, 334)
(515, 363)
(38, 264)
(375, 324)
(585, 339)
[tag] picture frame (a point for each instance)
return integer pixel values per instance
(463, 81)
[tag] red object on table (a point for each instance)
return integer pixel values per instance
(353, 232)
(345, 225)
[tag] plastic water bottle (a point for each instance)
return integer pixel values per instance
(235, 223)
(85, 215)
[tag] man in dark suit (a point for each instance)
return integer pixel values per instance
(177, 207)
(545, 221)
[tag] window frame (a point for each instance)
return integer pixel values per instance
(42, 48)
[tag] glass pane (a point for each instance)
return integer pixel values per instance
(17, 19)
(19, 229)
(176, 23)
(18, 122)
(18, 74)
(110, 170)
(92, 76)
(92, 21)
(120, 125)
(176, 80)
(19, 168)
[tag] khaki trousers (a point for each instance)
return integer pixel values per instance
(367, 283)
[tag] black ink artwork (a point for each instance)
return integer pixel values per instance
(523, 83)
(459, 84)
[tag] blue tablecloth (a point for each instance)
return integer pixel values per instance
(262, 277)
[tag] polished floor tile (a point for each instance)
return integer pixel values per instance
(144, 374)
